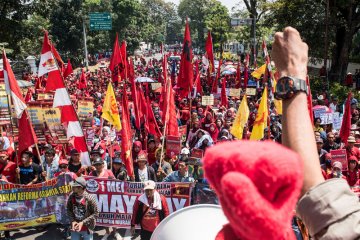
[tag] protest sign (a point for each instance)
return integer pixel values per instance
(116, 198)
(45, 96)
(155, 86)
(29, 206)
(36, 115)
(339, 156)
(326, 118)
(173, 146)
(318, 111)
(182, 132)
(52, 118)
(234, 92)
(337, 120)
(250, 91)
(207, 100)
(197, 153)
(85, 109)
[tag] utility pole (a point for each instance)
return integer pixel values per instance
(85, 46)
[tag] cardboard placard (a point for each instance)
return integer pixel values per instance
(173, 146)
(36, 115)
(326, 118)
(251, 91)
(319, 111)
(207, 100)
(337, 121)
(234, 92)
(182, 132)
(339, 156)
(85, 109)
(155, 86)
(197, 153)
(45, 96)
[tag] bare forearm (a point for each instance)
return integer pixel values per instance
(298, 135)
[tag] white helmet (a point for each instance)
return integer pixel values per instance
(202, 222)
(185, 151)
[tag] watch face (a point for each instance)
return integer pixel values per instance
(284, 86)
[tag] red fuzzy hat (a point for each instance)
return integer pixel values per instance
(258, 184)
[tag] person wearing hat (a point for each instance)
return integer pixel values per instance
(63, 169)
(119, 169)
(181, 175)
(82, 210)
(142, 171)
(337, 170)
(45, 148)
(7, 168)
(75, 165)
(351, 150)
(165, 168)
(100, 170)
(151, 149)
(352, 175)
(149, 210)
(28, 172)
(320, 150)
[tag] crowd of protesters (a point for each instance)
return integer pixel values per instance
(206, 126)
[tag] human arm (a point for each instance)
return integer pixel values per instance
(290, 55)
(92, 207)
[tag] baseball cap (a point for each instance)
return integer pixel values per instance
(351, 139)
(149, 185)
(142, 156)
(3, 152)
(79, 182)
(74, 152)
(185, 151)
(63, 162)
(98, 161)
(95, 151)
(319, 140)
(117, 160)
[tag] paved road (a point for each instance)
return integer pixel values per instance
(54, 232)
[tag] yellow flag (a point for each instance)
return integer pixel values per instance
(261, 118)
(110, 110)
(241, 119)
(259, 71)
(278, 106)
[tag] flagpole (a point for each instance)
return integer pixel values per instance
(12, 132)
(165, 125)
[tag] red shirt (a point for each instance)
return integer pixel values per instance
(353, 152)
(352, 177)
(105, 174)
(9, 171)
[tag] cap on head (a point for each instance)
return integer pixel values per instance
(353, 158)
(142, 156)
(351, 139)
(3, 153)
(337, 165)
(98, 161)
(185, 151)
(319, 140)
(63, 162)
(74, 152)
(149, 185)
(79, 182)
(117, 160)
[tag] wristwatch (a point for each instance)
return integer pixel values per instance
(287, 87)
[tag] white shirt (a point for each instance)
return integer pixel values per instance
(143, 174)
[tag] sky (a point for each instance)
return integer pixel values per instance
(228, 3)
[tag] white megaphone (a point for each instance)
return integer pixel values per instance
(200, 222)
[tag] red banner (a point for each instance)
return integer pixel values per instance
(116, 198)
(339, 156)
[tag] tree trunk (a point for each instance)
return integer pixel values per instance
(340, 59)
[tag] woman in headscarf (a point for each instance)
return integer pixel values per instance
(136, 149)
(214, 132)
(204, 142)
(207, 121)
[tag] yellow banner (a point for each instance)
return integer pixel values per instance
(85, 109)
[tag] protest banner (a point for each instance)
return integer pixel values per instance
(29, 206)
(183, 132)
(318, 111)
(90, 135)
(337, 120)
(234, 92)
(52, 118)
(207, 100)
(116, 198)
(173, 146)
(85, 109)
(250, 91)
(326, 118)
(45, 96)
(339, 156)
(155, 86)
(36, 115)
(197, 153)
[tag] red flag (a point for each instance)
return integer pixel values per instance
(68, 69)
(216, 80)
(123, 65)
(224, 99)
(28, 96)
(58, 58)
(126, 135)
(143, 109)
(186, 72)
(210, 53)
(38, 82)
(134, 95)
(82, 82)
(198, 80)
(152, 125)
(346, 122)
(170, 115)
(238, 75)
(246, 70)
(27, 135)
(116, 61)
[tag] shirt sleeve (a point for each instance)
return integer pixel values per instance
(134, 213)
(331, 210)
